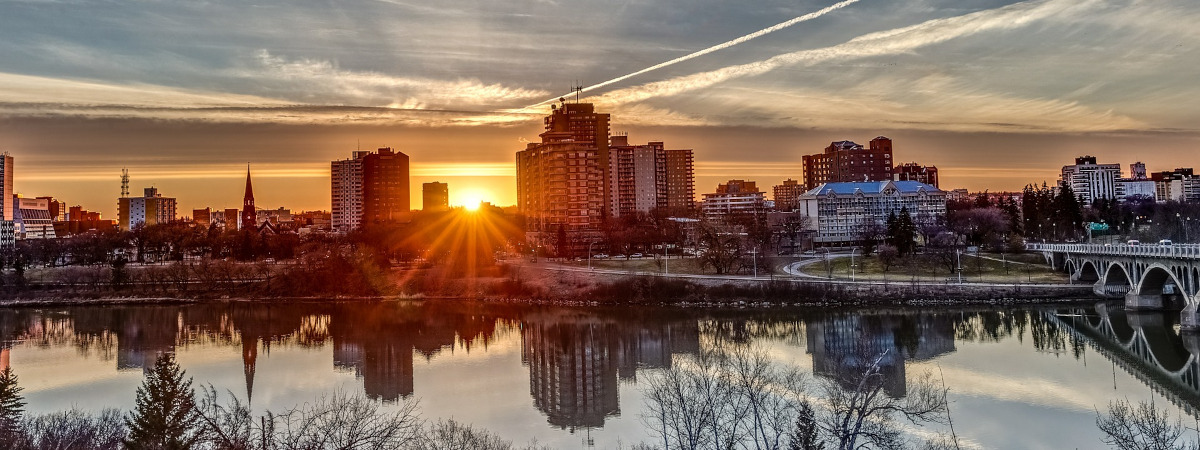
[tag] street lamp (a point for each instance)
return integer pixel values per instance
(590, 254)
(754, 260)
(851, 268)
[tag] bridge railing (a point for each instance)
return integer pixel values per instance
(1179, 251)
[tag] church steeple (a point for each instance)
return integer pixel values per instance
(249, 215)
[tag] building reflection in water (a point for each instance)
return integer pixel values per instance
(845, 346)
(575, 362)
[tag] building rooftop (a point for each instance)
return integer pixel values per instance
(870, 187)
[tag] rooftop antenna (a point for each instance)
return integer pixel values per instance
(578, 90)
(124, 182)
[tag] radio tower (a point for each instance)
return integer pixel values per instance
(124, 182)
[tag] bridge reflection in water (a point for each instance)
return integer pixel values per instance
(1147, 345)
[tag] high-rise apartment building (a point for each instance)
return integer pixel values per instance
(347, 191)
(151, 208)
(915, 172)
(435, 196)
(369, 187)
(1092, 181)
(7, 227)
(846, 161)
(646, 177)
(681, 181)
(787, 195)
(561, 181)
(386, 195)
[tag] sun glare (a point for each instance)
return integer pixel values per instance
(472, 205)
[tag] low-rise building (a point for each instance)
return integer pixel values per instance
(841, 212)
(732, 198)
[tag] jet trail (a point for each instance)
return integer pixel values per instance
(721, 46)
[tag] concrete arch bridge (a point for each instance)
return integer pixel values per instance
(1148, 277)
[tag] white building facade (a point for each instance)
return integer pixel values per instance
(841, 212)
(346, 186)
(1092, 181)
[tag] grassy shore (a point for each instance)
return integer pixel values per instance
(980, 268)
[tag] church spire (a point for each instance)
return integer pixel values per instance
(249, 215)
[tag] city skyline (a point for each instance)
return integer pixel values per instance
(88, 90)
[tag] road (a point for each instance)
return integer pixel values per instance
(793, 274)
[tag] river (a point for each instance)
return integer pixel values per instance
(576, 377)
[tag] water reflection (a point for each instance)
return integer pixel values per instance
(844, 346)
(1147, 345)
(578, 360)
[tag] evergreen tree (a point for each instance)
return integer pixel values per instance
(11, 406)
(906, 233)
(166, 417)
(807, 434)
(892, 229)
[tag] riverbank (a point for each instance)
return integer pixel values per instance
(559, 284)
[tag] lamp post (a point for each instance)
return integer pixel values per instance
(958, 254)
(666, 259)
(1181, 225)
(852, 251)
(754, 260)
(590, 254)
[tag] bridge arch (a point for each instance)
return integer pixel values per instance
(1155, 281)
(1088, 272)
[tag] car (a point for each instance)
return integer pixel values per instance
(1133, 242)
(599, 256)
(636, 255)
(1165, 243)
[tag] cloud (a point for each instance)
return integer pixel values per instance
(890, 42)
(323, 81)
(721, 46)
(937, 102)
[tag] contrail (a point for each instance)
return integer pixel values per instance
(721, 46)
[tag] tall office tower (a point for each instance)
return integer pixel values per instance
(787, 195)
(151, 208)
(435, 196)
(1092, 181)
(561, 180)
(846, 161)
(249, 215)
(370, 187)
(347, 190)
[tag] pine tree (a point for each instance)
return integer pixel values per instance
(906, 233)
(166, 417)
(807, 434)
(11, 406)
(892, 229)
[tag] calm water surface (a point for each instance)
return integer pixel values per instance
(569, 377)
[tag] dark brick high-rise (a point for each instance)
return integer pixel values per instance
(385, 186)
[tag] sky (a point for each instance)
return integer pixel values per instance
(184, 94)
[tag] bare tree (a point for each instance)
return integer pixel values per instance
(860, 412)
(1145, 427)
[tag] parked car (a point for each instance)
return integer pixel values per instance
(1165, 243)
(636, 255)
(599, 256)
(1133, 242)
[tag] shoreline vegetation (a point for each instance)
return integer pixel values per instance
(561, 283)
